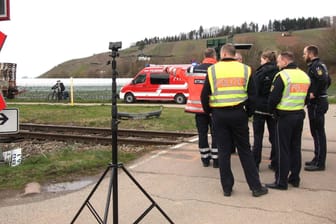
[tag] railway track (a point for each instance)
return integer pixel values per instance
(99, 135)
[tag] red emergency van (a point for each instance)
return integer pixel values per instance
(154, 83)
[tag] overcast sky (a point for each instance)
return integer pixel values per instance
(44, 33)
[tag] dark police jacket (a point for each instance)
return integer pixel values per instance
(263, 78)
(202, 68)
(320, 79)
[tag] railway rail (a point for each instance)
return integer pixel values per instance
(99, 135)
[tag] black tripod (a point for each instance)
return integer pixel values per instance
(114, 46)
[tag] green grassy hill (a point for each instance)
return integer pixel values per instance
(182, 52)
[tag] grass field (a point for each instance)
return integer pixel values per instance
(68, 162)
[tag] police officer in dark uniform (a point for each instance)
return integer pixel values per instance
(317, 107)
(289, 94)
(263, 78)
(225, 95)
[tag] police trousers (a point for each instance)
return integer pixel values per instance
(288, 133)
(316, 114)
(231, 125)
(204, 124)
(259, 121)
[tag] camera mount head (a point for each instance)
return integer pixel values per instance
(115, 46)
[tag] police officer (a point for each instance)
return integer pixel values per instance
(195, 78)
(225, 95)
(287, 99)
(317, 107)
(263, 78)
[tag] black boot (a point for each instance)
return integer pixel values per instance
(215, 163)
(205, 162)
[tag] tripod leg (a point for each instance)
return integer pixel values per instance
(108, 199)
(86, 202)
(154, 204)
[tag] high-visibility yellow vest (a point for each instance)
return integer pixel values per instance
(228, 82)
(296, 83)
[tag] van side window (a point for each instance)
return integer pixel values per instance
(140, 79)
(159, 78)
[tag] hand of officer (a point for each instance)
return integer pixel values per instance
(249, 111)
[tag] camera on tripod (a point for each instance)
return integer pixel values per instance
(114, 46)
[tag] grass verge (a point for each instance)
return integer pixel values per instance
(64, 165)
(68, 163)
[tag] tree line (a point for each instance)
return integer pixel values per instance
(285, 25)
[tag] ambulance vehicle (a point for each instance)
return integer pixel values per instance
(154, 83)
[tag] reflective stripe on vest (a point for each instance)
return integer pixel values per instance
(296, 84)
(195, 85)
(228, 82)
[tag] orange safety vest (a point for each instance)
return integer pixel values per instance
(195, 80)
(195, 85)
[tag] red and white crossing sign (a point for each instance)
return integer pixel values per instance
(2, 38)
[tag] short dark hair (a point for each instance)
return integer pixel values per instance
(313, 50)
(229, 48)
(287, 55)
(270, 55)
(209, 53)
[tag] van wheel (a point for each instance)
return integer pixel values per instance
(129, 98)
(180, 99)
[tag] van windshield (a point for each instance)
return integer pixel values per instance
(159, 78)
(140, 79)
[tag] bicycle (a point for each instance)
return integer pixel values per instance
(56, 96)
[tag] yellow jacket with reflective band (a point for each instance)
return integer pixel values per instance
(296, 84)
(228, 81)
